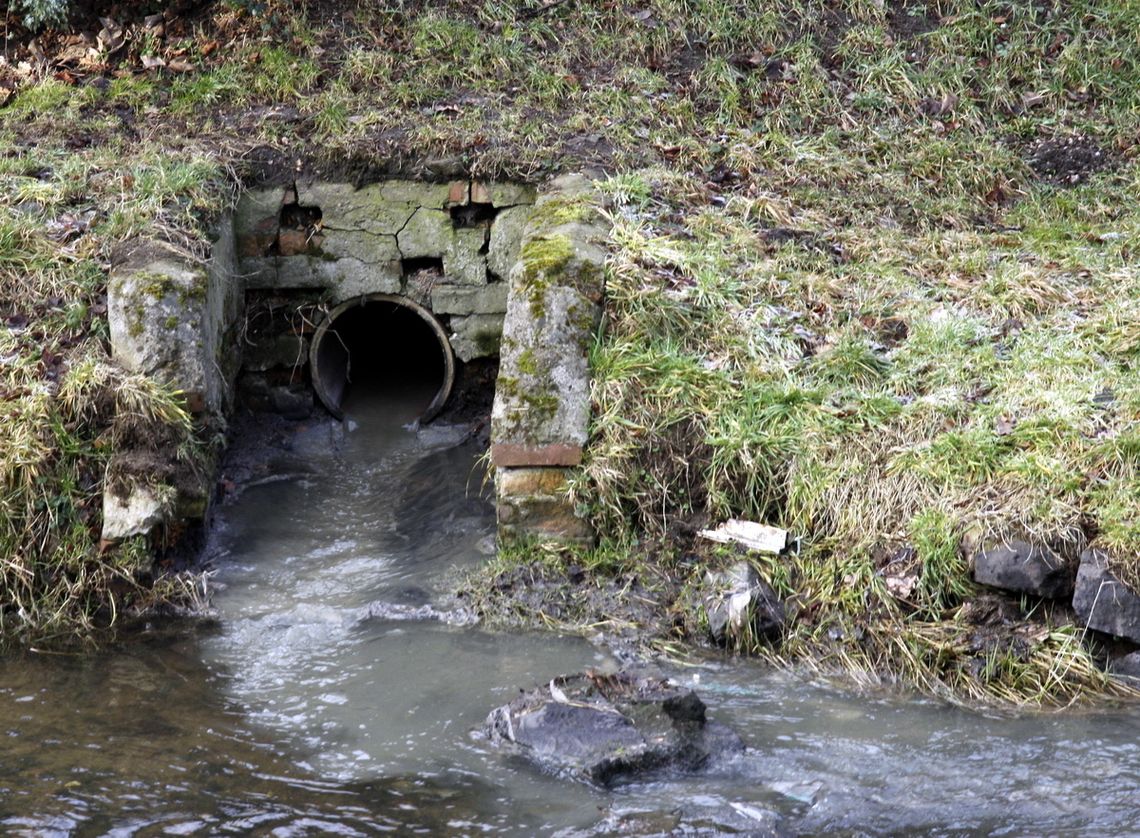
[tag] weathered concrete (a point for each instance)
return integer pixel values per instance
(175, 319)
(499, 273)
(347, 242)
(542, 399)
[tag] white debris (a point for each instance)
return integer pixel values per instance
(752, 535)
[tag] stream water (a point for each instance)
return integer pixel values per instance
(311, 706)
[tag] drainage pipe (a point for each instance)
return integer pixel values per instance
(358, 331)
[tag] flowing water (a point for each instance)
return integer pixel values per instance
(313, 706)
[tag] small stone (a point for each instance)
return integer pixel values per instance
(137, 514)
(457, 193)
(476, 336)
(294, 242)
(1126, 666)
(419, 193)
(1026, 568)
(480, 193)
(370, 248)
(1102, 601)
(612, 728)
(256, 219)
(511, 194)
(516, 482)
(463, 260)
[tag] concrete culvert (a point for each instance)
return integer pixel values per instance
(383, 342)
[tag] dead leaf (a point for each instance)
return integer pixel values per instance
(153, 61)
(1005, 425)
(180, 66)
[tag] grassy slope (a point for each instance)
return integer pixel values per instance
(841, 299)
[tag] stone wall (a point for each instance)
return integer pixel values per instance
(446, 246)
(542, 398)
(505, 272)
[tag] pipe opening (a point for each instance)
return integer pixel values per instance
(384, 346)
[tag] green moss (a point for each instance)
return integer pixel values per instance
(544, 258)
(556, 210)
(527, 362)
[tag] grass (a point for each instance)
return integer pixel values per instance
(840, 300)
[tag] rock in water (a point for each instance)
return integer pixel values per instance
(606, 729)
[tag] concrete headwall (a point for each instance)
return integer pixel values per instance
(507, 271)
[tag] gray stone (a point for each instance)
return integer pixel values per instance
(256, 220)
(279, 350)
(257, 272)
(742, 607)
(417, 193)
(1126, 666)
(345, 278)
(476, 336)
(428, 233)
(1102, 601)
(356, 244)
(463, 263)
(137, 514)
(344, 207)
(294, 401)
(511, 194)
(543, 394)
(606, 729)
(506, 239)
(159, 312)
(297, 272)
(460, 299)
(1026, 568)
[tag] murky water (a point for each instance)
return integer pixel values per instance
(312, 707)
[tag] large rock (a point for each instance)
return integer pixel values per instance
(742, 607)
(606, 729)
(1025, 568)
(1102, 601)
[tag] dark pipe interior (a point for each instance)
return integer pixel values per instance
(380, 346)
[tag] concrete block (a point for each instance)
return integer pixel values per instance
(476, 335)
(428, 233)
(461, 299)
(506, 240)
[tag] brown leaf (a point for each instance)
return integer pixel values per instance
(1005, 425)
